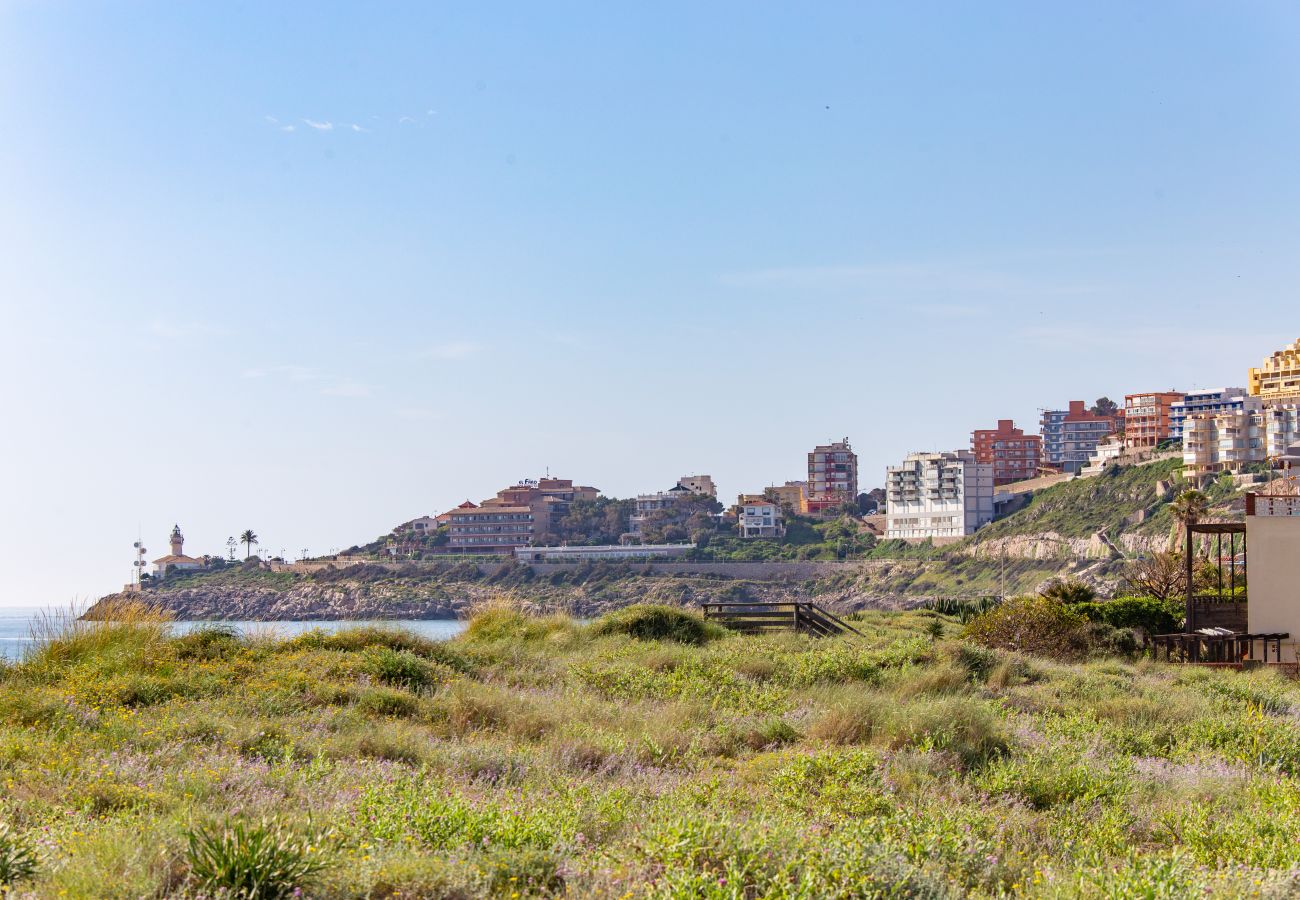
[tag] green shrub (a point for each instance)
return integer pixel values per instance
(503, 620)
(1069, 590)
(400, 668)
(656, 622)
(962, 609)
(387, 702)
(208, 642)
(17, 859)
(1035, 625)
(1107, 640)
(1146, 613)
(251, 862)
(958, 725)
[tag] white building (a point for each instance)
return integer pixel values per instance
(1213, 401)
(938, 495)
(176, 560)
(1109, 450)
(760, 517)
(602, 552)
(1227, 441)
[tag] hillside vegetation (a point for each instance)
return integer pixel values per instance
(539, 756)
(1084, 506)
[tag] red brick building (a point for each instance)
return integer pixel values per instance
(1014, 455)
(1148, 418)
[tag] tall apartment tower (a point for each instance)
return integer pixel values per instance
(1014, 455)
(1071, 436)
(832, 476)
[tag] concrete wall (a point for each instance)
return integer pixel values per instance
(1273, 545)
(762, 571)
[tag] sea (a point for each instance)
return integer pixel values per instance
(20, 624)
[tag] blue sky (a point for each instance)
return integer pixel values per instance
(315, 269)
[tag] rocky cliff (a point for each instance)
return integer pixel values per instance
(255, 593)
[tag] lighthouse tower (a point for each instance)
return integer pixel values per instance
(177, 558)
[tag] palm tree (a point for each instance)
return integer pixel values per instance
(1189, 507)
(248, 539)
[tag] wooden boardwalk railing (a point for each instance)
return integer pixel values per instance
(808, 618)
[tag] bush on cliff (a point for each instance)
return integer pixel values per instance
(656, 622)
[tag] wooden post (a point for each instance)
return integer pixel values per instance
(1191, 605)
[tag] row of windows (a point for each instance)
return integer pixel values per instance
(494, 517)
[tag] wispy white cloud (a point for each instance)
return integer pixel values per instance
(355, 127)
(272, 119)
(319, 126)
(288, 128)
(453, 350)
(405, 120)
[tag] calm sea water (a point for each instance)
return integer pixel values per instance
(16, 627)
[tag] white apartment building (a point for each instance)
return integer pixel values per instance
(760, 517)
(1212, 401)
(938, 495)
(1282, 431)
(1227, 441)
(1109, 450)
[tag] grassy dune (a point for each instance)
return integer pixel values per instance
(535, 756)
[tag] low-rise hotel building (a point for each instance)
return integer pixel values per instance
(515, 516)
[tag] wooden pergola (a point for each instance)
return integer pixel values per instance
(1215, 632)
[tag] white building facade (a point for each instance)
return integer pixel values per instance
(1212, 402)
(938, 495)
(1228, 441)
(759, 518)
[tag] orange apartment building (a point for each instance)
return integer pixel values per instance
(1014, 455)
(1148, 418)
(515, 516)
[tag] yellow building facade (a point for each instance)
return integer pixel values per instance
(1278, 380)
